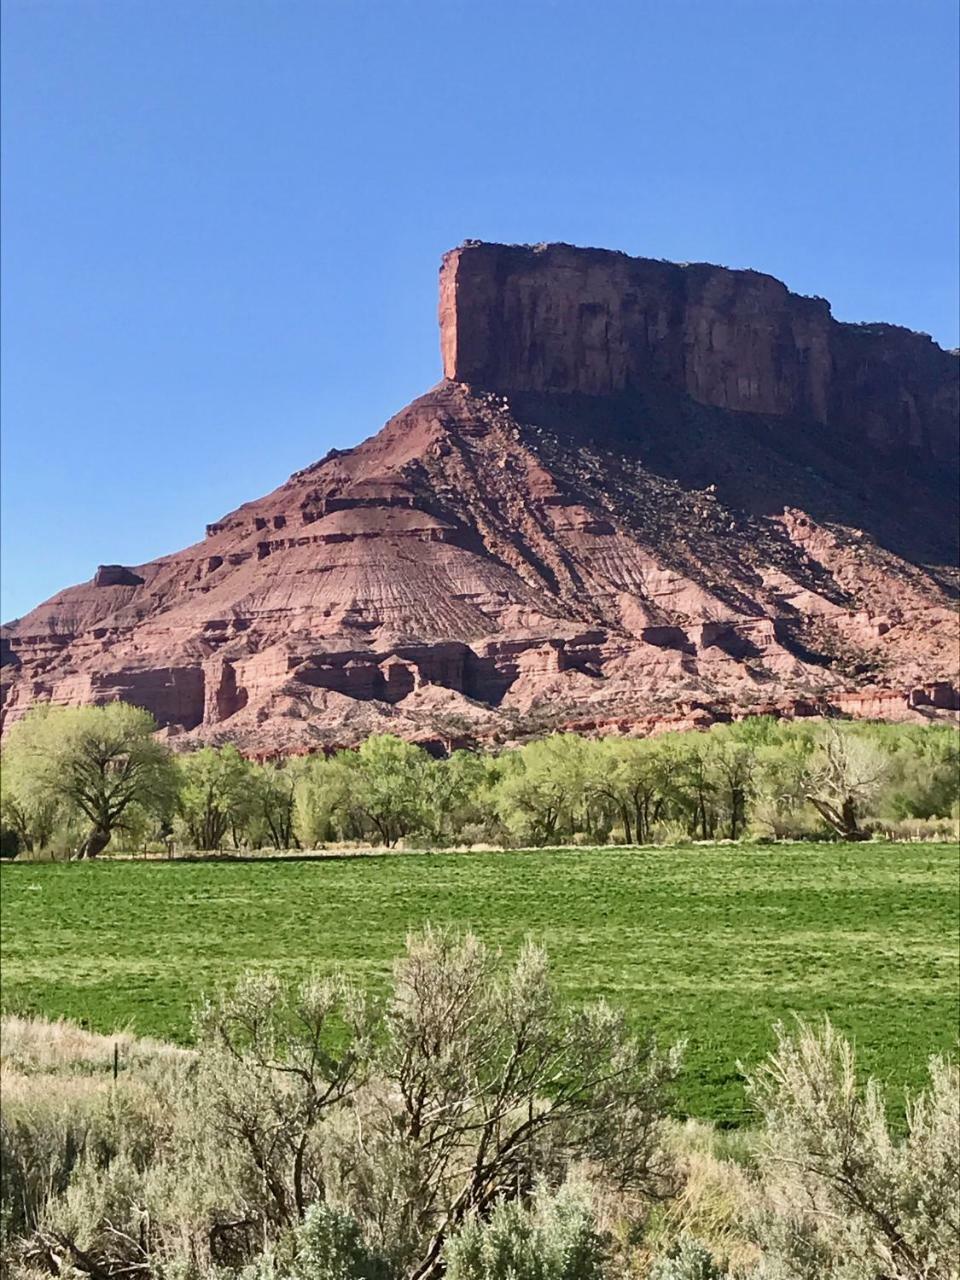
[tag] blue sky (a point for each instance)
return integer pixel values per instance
(222, 219)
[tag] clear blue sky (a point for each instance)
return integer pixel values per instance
(222, 219)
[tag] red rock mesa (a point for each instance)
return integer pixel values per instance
(643, 495)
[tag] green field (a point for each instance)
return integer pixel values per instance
(711, 944)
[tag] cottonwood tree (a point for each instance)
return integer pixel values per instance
(214, 795)
(631, 773)
(453, 793)
(543, 786)
(98, 761)
(693, 782)
(783, 769)
(28, 807)
(734, 768)
(924, 769)
(321, 800)
(380, 790)
(271, 804)
(389, 789)
(847, 770)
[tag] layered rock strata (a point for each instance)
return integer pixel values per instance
(643, 496)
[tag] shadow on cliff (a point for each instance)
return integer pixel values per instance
(907, 502)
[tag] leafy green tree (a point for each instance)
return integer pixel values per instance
(139, 825)
(734, 769)
(391, 784)
(322, 799)
(28, 808)
(539, 796)
(630, 774)
(98, 761)
(782, 782)
(758, 731)
(382, 790)
(456, 793)
(214, 795)
(923, 777)
(271, 804)
(693, 783)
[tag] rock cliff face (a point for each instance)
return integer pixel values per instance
(644, 495)
(559, 319)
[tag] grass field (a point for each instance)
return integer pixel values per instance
(711, 944)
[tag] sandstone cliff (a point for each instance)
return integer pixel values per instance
(559, 319)
(644, 494)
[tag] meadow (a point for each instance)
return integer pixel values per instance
(713, 944)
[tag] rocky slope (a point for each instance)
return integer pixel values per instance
(643, 495)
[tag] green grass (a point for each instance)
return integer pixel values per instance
(711, 944)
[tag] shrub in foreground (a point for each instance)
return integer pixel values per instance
(470, 1127)
(845, 1195)
(479, 1082)
(688, 1259)
(471, 1084)
(327, 1245)
(555, 1238)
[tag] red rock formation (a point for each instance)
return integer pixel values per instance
(559, 319)
(645, 495)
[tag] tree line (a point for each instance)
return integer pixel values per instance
(77, 781)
